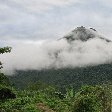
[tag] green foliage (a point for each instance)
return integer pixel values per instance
(5, 50)
(37, 86)
(88, 99)
(69, 92)
(86, 104)
(92, 99)
(6, 93)
(27, 101)
(4, 80)
(63, 78)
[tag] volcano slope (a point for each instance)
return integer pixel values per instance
(88, 73)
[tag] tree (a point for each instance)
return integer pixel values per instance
(5, 91)
(4, 50)
(3, 79)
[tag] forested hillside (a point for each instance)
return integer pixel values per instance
(65, 77)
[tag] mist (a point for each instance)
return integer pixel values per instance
(56, 54)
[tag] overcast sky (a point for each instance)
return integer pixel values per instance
(27, 26)
(43, 19)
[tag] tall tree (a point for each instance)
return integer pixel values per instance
(3, 79)
(5, 91)
(4, 50)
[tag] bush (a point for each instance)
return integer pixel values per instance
(6, 93)
(92, 99)
(4, 80)
(86, 104)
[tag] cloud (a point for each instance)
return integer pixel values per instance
(46, 54)
(37, 5)
(40, 19)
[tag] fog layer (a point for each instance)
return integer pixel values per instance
(80, 48)
(57, 54)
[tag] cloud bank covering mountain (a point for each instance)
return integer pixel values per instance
(81, 47)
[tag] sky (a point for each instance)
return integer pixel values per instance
(33, 20)
(32, 27)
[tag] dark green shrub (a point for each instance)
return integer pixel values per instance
(92, 99)
(4, 80)
(86, 104)
(6, 93)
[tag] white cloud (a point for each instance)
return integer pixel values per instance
(38, 5)
(35, 19)
(58, 54)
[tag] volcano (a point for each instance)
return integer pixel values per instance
(91, 72)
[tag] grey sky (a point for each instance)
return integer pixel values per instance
(44, 19)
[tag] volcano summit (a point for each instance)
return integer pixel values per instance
(83, 34)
